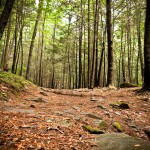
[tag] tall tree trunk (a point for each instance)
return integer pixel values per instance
(15, 41)
(80, 47)
(146, 85)
(5, 15)
(68, 52)
(89, 52)
(140, 56)
(93, 77)
(110, 44)
(53, 58)
(33, 38)
(5, 53)
(41, 53)
(101, 58)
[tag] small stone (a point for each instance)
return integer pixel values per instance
(93, 116)
(77, 118)
(76, 108)
(43, 93)
(32, 106)
(117, 113)
(70, 111)
(103, 124)
(101, 107)
(58, 113)
(97, 99)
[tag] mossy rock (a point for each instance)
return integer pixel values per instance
(118, 126)
(13, 81)
(128, 85)
(120, 105)
(102, 125)
(92, 130)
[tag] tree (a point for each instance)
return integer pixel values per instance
(146, 85)
(110, 44)
(5, 15)
(33, 38)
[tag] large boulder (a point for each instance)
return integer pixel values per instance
(120, 141)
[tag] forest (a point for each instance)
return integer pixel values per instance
(74, 75)
(74, 43)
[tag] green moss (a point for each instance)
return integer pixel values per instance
(128, 85)
(92, 130)
(14, 81)
(103, 125)
(118, 126)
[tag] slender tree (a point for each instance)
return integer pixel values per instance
(33, 38)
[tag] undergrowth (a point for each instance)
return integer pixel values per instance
(13, 81)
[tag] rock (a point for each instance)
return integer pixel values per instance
(77, 118)
(43, 93)
(120, 105)
(147, 132)
(84, 113)
(97, 99)
(70, 111)
(92, 130)
(93, 116)
(20, 110)
(102, 125)
(127, 85)
(118, 126)
(76, 108)
(120, 141)
(58, 113)
(32, 106)
(65, 123)
(49, 120)
(101, 107)
(36, 99)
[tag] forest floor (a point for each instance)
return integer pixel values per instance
(48, 119)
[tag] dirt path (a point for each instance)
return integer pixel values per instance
(53, 119)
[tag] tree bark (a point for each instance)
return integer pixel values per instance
(146, 85)
(33, 38)
(110, 44)
(5, 15)
(5, 55)
(89, 51)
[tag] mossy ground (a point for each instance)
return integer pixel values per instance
(128, 85)
(13, 81)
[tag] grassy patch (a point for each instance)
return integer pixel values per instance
(14, 81)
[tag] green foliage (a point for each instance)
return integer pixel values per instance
(14, 81)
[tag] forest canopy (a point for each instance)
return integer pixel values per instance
(64, 43)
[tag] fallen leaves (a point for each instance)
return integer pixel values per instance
(58, 124)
